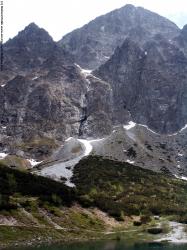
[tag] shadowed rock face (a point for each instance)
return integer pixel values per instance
(149, 82)
(94, 43)
(181, 40)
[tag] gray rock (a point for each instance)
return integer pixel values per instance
(94, 43)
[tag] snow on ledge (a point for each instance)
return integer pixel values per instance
(130, 125)
(185, 126)
(129, 161)
(85, 72)
(34, 162)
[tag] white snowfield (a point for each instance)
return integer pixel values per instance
(177, 234)
(132, 124)
(65, 169)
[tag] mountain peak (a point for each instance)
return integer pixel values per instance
(32, 25)
(93, 49)
(31, 33)
(128, 6)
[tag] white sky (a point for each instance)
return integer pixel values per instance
(59, 17)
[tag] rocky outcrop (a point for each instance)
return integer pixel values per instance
(94, 43)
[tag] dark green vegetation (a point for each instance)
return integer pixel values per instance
(13, 181)
(122, 189)
(35, 209)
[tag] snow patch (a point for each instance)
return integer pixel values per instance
(179, 154)
(65, 169)
(183, 128)
(3, 85)
(85, 72)
(177, 234)
(145, 52)
(129, 161)
(87, 145)
(34, 162)
(145, 126)
(34, 78)
(184, 178)
(3, 155)
(178, 131)
(130, 125)
(68, 139)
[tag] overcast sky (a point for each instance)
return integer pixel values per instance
(59, 17)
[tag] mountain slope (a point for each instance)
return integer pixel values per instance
(95, 42)
(46, 97)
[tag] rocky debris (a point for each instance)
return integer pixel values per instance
(145, 148)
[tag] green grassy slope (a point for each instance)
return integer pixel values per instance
(122, 189)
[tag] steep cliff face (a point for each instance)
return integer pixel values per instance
(149, 82)
(94, 43)
(45, 95)
(181, 40)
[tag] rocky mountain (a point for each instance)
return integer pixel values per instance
(45, 97)
(143, 56)
(150, 82)
(94, 43)
(103, 111)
